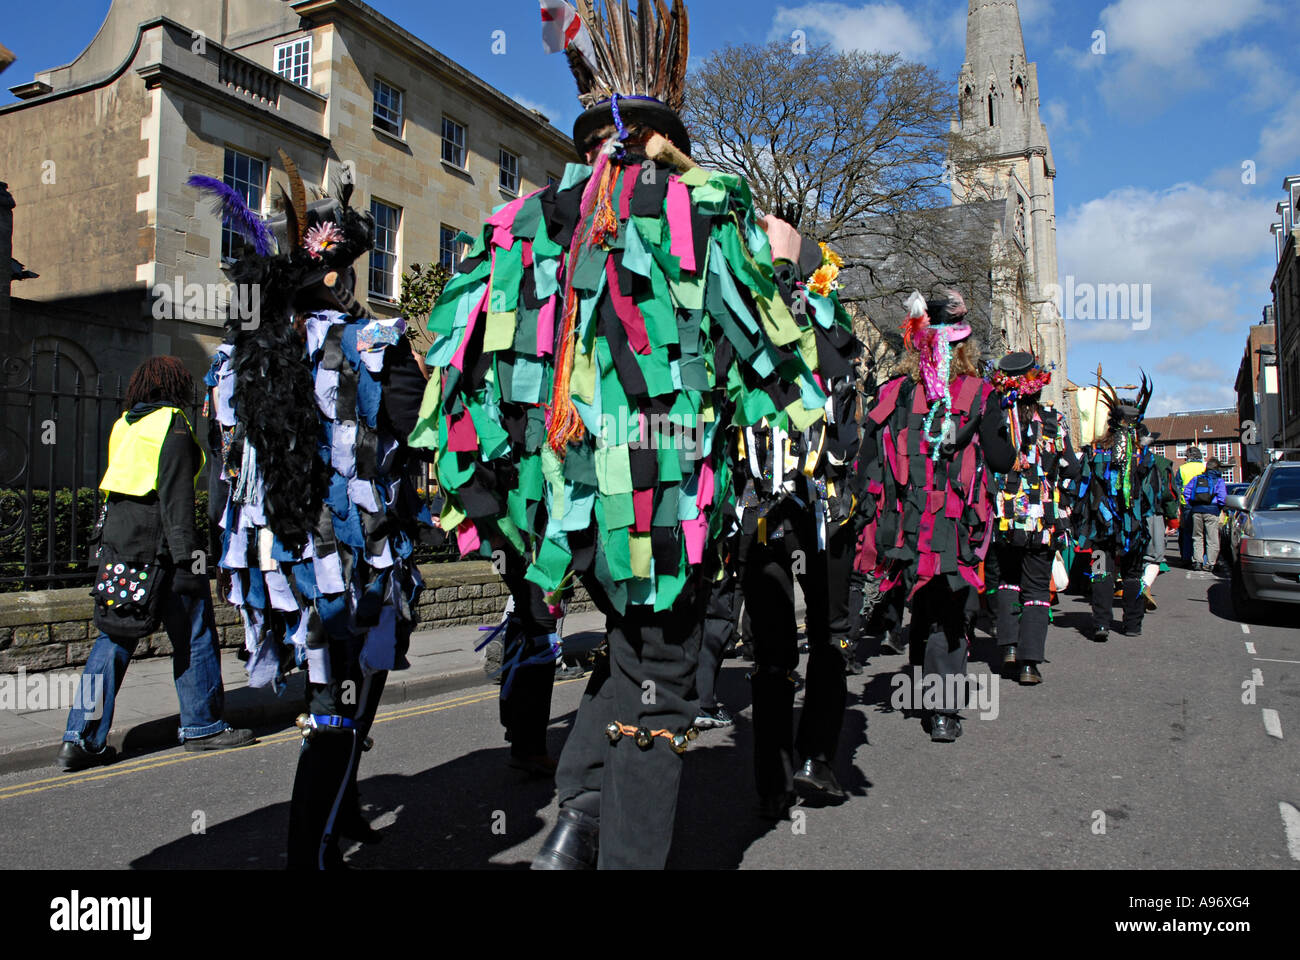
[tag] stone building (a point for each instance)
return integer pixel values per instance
(97, 152)
(1286, 314)
(1012, 166)
(1003, 206)
(1257, 397)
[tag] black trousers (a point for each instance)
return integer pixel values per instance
(1024, 594)
(325, 785)
(940, 614)
(719, 628)
(841, 552)
(525, 704)
(1106, 561)
(770, 572)
(646, 680)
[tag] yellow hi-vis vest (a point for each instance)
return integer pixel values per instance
(1186, 473)
(134, 450)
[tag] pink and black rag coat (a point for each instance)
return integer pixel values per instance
(930, 510)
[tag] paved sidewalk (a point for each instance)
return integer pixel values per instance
(146, 717)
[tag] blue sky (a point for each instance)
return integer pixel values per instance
(1150, 138)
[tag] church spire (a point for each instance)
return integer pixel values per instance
(993, 30)
(999, 87)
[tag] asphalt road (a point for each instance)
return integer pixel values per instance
(1147, 738)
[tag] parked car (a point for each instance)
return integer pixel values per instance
(1265, 547)
(1230, 519)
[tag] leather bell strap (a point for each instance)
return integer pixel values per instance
(645, 737)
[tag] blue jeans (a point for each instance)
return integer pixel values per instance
(196, 665)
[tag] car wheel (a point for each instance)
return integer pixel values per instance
(1243, 608)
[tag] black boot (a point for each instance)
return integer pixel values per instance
(816, 781)
(574, 844)
(945, 728)
(318, 802)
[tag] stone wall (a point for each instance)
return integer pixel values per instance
(53, 629)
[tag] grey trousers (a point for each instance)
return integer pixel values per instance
(1205, 537)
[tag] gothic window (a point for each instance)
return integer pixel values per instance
(992, 110)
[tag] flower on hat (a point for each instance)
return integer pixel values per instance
(829, 256)
(825, 280)
(322, 238)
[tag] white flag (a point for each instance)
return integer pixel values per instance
(563, 28)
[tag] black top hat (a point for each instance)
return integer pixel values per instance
(640, 111)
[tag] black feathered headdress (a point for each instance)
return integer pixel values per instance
(295, 264)
(1126, 410)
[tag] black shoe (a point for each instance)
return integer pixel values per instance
(574, 843)
(1132, 631)
(893, 643)
(355, 827)
(1101, 635)
(816, 781)
(776, 806)
(569, 672)
(852, 668)
(225, 740)
(541, 766)
(945, 728)
(1009, 656)
(73, 757)
(1029, 675)
(719, 716)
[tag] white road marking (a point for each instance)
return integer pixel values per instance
(1245, 628)
(1267, 660)
(1272, 723)
(1250, 647)
(1291, 821)
(1257, 677)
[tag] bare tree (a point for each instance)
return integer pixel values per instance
(853, 148)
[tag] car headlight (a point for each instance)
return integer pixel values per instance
(1271, 549)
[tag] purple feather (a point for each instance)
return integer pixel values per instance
(234, 212)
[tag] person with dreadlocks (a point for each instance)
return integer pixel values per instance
(148, 542)
(315, 399)
(1033, 503)
(929, 443)
(1119, 495)
(603, 338)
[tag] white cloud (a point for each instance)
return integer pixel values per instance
(1199, 250)
(1206, 395)
(1166, 33)
(873, 27)
(1159, 50)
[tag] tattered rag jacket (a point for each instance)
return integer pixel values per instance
(680, 333)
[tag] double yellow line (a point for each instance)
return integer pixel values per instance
(166, 760)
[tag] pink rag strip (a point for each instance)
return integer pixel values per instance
(628, 313)
(625, 198)
(643, 505)
(695, 531)
(704, 498)
(679, 223)
(461, 435)
(467, 537)
(546, 328)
